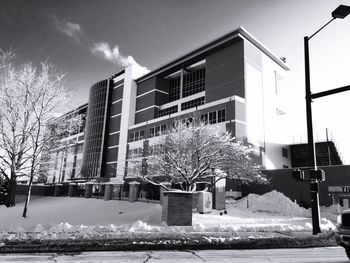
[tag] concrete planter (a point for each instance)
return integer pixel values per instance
(162, 190)
(177, 208)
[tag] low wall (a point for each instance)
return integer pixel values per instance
(41, 190)
(282, 181)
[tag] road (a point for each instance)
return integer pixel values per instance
(327, 254)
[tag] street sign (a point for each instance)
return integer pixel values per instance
(339, 189)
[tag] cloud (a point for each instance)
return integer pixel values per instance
(114, 56)
(111, 54)
(72, 30)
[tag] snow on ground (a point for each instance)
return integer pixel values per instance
(63, 217)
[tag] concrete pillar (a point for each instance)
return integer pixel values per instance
(205, 202)
(88, 190)
(162, 190)
(195, 200)
(72, 189)
(108, 191)
(133, 191)
(117, 191)
(219, 195)
(57, 190)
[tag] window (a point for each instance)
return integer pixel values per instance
(204, 118)
(151, 132)
(285, 166)
(187, 121)
(193, 82)
(212, 117)
(132, 137)
(154, 150)
(142, 134)
(158, 130)
(163, 129)
(221, 115)
(175, 124)
(135, 136)
(167, 111)
(192, 103)
(135, 153)
(285, 152)
(174, 89)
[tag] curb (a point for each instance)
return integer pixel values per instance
(180, 242)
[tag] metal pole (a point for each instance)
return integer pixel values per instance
(328, 150)
(311, 146)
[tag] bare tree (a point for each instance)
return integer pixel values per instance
(29, 98)
(196, 152)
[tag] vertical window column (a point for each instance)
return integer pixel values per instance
(181, 83)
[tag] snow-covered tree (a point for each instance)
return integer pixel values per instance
(29, 98)
(5, 58)
(197, 152)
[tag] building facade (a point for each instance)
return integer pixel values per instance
(63, 163)
(233, 82)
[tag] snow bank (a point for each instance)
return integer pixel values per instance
(57, 218)
(272, 202)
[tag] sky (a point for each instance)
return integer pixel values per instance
(90, 40)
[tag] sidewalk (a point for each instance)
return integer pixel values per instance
(196, 241)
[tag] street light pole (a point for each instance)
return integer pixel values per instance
(340, 12)
(311, 145)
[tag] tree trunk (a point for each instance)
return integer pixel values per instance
(4, 189)
(187, 186)
(213, 192)
(24, 214)
(11, 194)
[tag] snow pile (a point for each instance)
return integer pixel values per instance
(271, 202)
(330, 212)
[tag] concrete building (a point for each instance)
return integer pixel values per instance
(233, 81)
(63, 163)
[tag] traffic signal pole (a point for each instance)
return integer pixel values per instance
(317, 175)
(311, 146)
